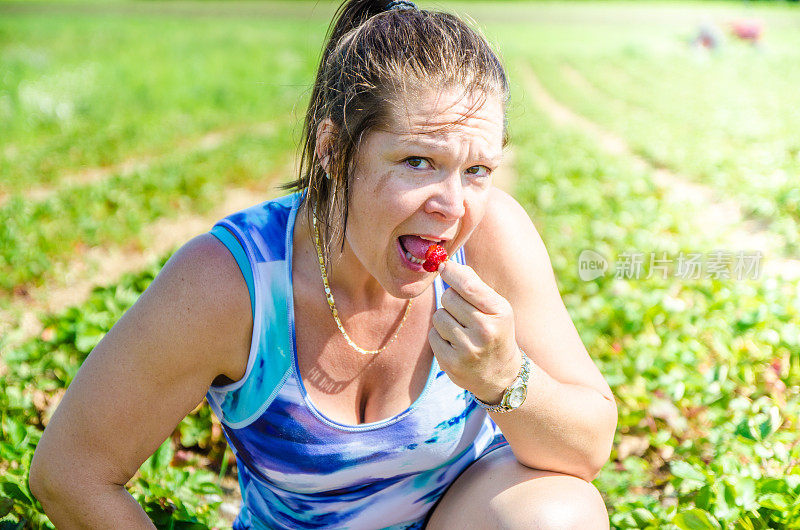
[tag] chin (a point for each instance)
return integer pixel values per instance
(414, 289)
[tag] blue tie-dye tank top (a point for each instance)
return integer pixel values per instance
(299, 469)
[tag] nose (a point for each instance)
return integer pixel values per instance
(448, 198)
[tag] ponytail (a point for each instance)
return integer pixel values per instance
(349, 16)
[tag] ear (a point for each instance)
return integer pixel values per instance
(325, 135)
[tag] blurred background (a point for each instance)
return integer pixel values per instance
(653, 143)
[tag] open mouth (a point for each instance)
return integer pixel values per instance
(415, 247)
(411, 257)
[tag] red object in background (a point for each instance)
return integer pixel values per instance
(747, 29)
(433, 257)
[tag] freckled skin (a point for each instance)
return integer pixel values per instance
(442, 191)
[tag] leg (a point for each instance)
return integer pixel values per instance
(497, 492)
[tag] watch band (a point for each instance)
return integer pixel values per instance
(521, 380)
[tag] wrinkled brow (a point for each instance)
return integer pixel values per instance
(419, 141)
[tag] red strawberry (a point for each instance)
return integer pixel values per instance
(433, 257)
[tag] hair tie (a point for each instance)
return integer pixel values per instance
(401, 4)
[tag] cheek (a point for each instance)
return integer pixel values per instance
(395, 204)
(474, 214)
(476, 203)
(371, 227)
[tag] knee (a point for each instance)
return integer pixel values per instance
(582, 507)
(568, 503)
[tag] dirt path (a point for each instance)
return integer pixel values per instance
(207, 142)
(721, 217)
(577, 79)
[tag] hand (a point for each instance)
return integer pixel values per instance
(473, 334)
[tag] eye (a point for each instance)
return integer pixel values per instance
(485, 174)
(416, 162)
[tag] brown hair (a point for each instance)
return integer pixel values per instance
(372, 59)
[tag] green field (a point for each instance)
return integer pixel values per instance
(209, 97)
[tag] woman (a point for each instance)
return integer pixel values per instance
(357, 389)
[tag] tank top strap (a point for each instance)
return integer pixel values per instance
(234, 247)
(263, 238)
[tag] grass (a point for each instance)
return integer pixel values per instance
(705, 371)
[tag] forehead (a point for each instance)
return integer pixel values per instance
(443, 116)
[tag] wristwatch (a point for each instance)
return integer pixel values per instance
(515, 393)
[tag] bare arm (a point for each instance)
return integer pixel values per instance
(152, 368)
(567, 422)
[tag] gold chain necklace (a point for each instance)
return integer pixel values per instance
(329, 296)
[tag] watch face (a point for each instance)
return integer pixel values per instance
(517, 397)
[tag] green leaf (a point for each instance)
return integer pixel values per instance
(695, 519)
(687, 471)
(160, 460)
(207, 488)
(773, 485)
(743, 429)
(164, 454)
(774, 501)
(643, 517)
(86, 341)
(15, 430)
(771, 424)
(15, 492)
(747, 493)
(725, 500)
(703, 499)
(5, 506)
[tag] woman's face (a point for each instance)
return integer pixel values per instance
(420, 179)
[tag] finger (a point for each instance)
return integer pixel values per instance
(441, 347)
(448, 328)
(469, 285)
(465, 313)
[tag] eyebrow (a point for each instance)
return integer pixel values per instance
(441, 146)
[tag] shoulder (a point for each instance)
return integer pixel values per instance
(202, 283)
(211, 273)
(505, 247)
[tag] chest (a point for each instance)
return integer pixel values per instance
(350, 387)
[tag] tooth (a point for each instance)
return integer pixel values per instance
(413, 259)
